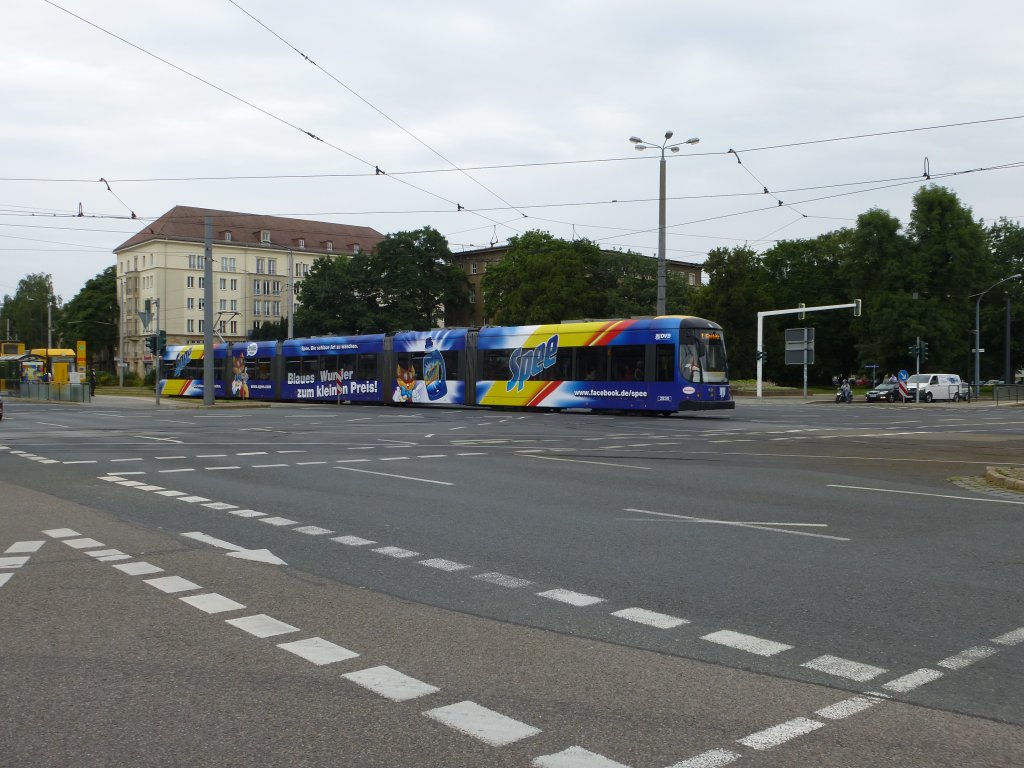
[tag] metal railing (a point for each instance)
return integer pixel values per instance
(1008, 393)
(62, 392)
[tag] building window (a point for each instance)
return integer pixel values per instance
(472, 268)
(302, 243)
(265, 236)
(227, 264)
(234, 327)
(226, 235)
(356, 248)
(223, 326)
(234, 305)
(266, 308)
(202, 305)
(329, 245)
(256, 287)
(195, 261)
(190, 282)
(190, 326)
(222, 306)
(272, 266)
(276, 307)
(256, 309)
(190, 303)
(200, 326)
(276, 288)
(202, 282)
(472, 297)
(692, 278)
(261, 266)
(234, 284)
(223, 284)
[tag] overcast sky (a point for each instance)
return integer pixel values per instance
(534, 101)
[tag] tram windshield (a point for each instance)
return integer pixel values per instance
(702, 356)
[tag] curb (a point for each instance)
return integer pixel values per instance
(1006, 477)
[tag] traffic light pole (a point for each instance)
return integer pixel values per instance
(855, 305)
(157, 352)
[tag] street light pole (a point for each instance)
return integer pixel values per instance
(977, 330)
(640, 145)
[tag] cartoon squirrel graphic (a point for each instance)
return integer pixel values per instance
(240, 384)
(405, 384)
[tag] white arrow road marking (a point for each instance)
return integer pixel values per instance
(256, 555)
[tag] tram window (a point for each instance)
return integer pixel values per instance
(451, 364)
(689, 361)
(410, 361)
(627, 363)
(495, 365)
(366, 366)
(592, 363)
(664, 359)
(561, 370)
(257, 367)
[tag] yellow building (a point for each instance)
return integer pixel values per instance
(258, 266)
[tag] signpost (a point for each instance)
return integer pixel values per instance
(800, 349)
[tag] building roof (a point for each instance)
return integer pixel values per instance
(187, 224)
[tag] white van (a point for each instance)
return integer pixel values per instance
(937, 386)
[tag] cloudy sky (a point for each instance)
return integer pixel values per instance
(520, 112)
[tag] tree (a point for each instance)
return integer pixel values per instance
(407, 282)
(1006, 247)
(735, 292)
(92, 316)
(26, 311)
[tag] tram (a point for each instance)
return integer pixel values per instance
(660, 365)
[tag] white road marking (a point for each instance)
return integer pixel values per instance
(220, 505)
(394, 458)
(267, 466)
(353, 541)
(111, 558)
(308, 463)
(748, 643)
(15, 561)
(713, 758)
(650, 618)
(293, 451)
(919, 493)
(130, 483)
(913, 680)
(390, 683)
(211, 602)
(168, 471)
(192, 499)
(485, 724)
(502, 580)
(135, 459)
(350, 461)
(149, 487)
(171, 584)
(578, 461)
(19, 547)
(104, 552)
(968, 657)
(432, 456)
(395, 552)
(312, 530)
(252, 453)
(213, 542)
(444, 565)
(61, 533)
(575, 757)
(5, 577)
(83, 543)
(113, 478)
(210, 455)
(471, 454)
(81, 461)
(1015, 637)
(262, 625)
(277, 521)
(162, 458)
(733, 523)
(139, 568)
(572, 598)
(851, 670)
(172, 494)
(50, 424)
(214, 469)
(318, 651)
(780, 734)
(399, 477)
(847, 707)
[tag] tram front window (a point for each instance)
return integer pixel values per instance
(702, 356)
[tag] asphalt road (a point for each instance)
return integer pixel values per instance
(786, 584)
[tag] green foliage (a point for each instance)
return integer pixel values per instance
(544, 279)
(92, 315)
(26, 310)
(408, 282)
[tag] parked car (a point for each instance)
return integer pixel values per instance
(884, 393)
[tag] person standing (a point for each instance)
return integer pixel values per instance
(92, 382)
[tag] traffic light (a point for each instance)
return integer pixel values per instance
(802, 315)
(761, 355)
(912, 350)
(924, 350)
(857, 307)
(161, 342)
(151, 343)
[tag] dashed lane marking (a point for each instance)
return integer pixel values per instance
(713, 758)
(780, 734)
(484, 724)
(276, 521)
(576, 757)
(20, 547)
(139, 568)
(503, 580)
(572, 598)
(847, 707)
(749, 643)
(390, 683)
(171, 584)
(312, 530)
(261, 625)
(209, 602)
(851, 670)
(318, 651)
(650, 618)
(968, 657)
(913, 680)
(353, 541)
(85, 543)
(1016, 637)
(397, 552)
(444, 565)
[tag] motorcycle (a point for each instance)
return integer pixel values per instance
(844, 395)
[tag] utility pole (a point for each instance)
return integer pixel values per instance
(157, 352)
(209, 383)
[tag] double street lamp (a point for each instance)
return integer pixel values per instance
(640, 145)
(977, 330)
